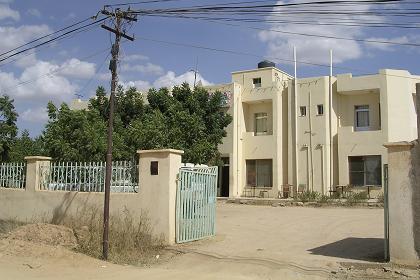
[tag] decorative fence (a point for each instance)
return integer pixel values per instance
(13, 175)
(88, 176)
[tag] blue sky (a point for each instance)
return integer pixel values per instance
(78, 65)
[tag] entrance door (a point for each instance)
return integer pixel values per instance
(223, 183)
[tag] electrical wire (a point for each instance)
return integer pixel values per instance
(263, 57)
(46, 36)
(50, 40)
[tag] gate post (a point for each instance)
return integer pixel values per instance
(33, 176)
(158, 171)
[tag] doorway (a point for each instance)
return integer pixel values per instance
(223, 182)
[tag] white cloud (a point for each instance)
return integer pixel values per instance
(104, 76)
(314, 49)
(170, 79)
(27, 60)
(34, 12)
(6, 12)
(74, 68)
(35, 115)
(12, 37)
(44, 81)
(148, 68)
(139, 84)
(134, 57)
(411, 38)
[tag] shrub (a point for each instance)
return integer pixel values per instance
(308, 196)
(354, 198)
(7, 226)
(381, 198)
(323, 198)
(130, 239)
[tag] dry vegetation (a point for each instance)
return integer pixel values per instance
(130, 239)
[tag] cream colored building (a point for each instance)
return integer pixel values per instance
(335, 128)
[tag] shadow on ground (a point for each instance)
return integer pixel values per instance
(362, 249)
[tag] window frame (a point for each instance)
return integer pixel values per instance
(255, 164)
(256, 84)
(358, 109)
(365, 171)
(318, 107)
(263, 115)
(300, 111)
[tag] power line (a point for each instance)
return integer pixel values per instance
(46, 36)
(69, 36)
(51, 40)
(320, 36)
(263, 57)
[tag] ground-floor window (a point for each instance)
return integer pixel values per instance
(259, 172)
(365, 170)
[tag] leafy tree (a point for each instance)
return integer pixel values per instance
(74, 135)
(26, 146)
(191, 120)
(8, 128)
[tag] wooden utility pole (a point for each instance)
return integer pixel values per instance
(118, 16)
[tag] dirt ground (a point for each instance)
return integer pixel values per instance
(252, 242)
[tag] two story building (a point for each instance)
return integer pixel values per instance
(312, 133)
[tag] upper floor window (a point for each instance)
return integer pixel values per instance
(361, 117)
(256, 82)
(302, 111)
(261, 124)
(320, 109)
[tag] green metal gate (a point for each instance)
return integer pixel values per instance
(196, 203)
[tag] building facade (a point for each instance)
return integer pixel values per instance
(313, 133)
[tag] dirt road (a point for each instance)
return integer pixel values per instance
(252, 242)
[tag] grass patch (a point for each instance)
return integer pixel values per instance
(7, 226)
(355, 198)
(130, 238)
(308, 196)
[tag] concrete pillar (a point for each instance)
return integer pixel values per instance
(33, 175)
(158, 171)
(401, 186)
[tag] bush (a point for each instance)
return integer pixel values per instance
(307, 196)
(323, 198)
(381, 198)
(7, 226)
(130, 239)
(354, 198)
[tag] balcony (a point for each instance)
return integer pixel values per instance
(349, 85)
(360, 142)
(261, 94)
(261, 146)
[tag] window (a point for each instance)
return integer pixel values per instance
(256, 82)
(365, 170)
(320, 109)
(259, 173)
(302, 111)
(361, 117)
(261, 123)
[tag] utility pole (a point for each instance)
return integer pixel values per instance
(117, 16)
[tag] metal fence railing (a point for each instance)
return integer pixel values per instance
(88, 176)
(13, 175)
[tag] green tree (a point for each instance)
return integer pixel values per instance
(74, 135)
(26, 146)
(8, 128)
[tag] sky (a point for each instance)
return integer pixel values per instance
(74, 67)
